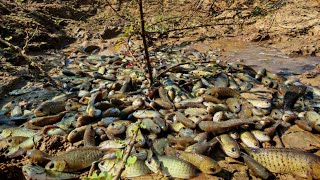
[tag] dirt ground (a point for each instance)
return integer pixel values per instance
(50, 30)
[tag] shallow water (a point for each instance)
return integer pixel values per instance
(258, 56)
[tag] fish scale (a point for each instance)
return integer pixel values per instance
(287, 161)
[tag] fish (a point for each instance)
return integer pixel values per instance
(54, 106)
(171, 166)
(159, 145)
(17, 131)
(118, 127)
(47, 120)
(221, 81)
(291, 161)
(23, 146)
(248, 139)
(292, 95)
(229, 145)
(224, 126)
(138, 168)
(233, 104)
(75, 160)
(313, 118)
(261, 136)
(89, 136)
(76, 134)
(180, 117)
(203, 163)
(37, 156)
(141, 114)
(258, 169)
(34, 172)
(221, 92)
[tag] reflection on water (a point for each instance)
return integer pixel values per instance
(258, 56)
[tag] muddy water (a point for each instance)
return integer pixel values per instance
(258, 56)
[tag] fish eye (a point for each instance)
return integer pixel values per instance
(233, 149)
(9, 140)
(102, 163)
(51, 166)
(149, 161)
(112, 124)
(213, 169)
(75, 131)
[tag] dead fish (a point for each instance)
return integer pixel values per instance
(149, 124)
(54, 106)
(221, 81)
(161, 123)
(224, 126)
(313, 118)
(37, 156)
(256, 167)
(159, 145)
(221, 92)
(181, 141)
(76, 134)
(280, 160)
(199, 147)
(260, 103)
(248, 139)
(292, 95)
(164, 96)
(229, 145)
(141, 114)
(184, 120)
(118, 127)
(47, 120)
(234, 105)
(17, 131)
(171, 166)
(138, 168)
(32, 172)
(21, 148)
(203, 163)
(75, 159)
(89, 136)
(261, 136)
(113, 144)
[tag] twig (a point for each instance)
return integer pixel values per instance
(28, 39)
(126, 156)
(143, 34)
(30, 62)
(176, 65)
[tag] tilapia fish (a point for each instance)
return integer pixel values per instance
(75, 159)
(290, 161)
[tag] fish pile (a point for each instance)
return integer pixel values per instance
(195, 107)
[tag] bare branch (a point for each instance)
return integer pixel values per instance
(126, 156)
(143, 34)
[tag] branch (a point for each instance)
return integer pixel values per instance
(126, 156)
(143, 34)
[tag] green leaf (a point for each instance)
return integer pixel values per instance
(131, 160)
(119, 154)
(94, 175)
(143, 126)
(8, 38)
